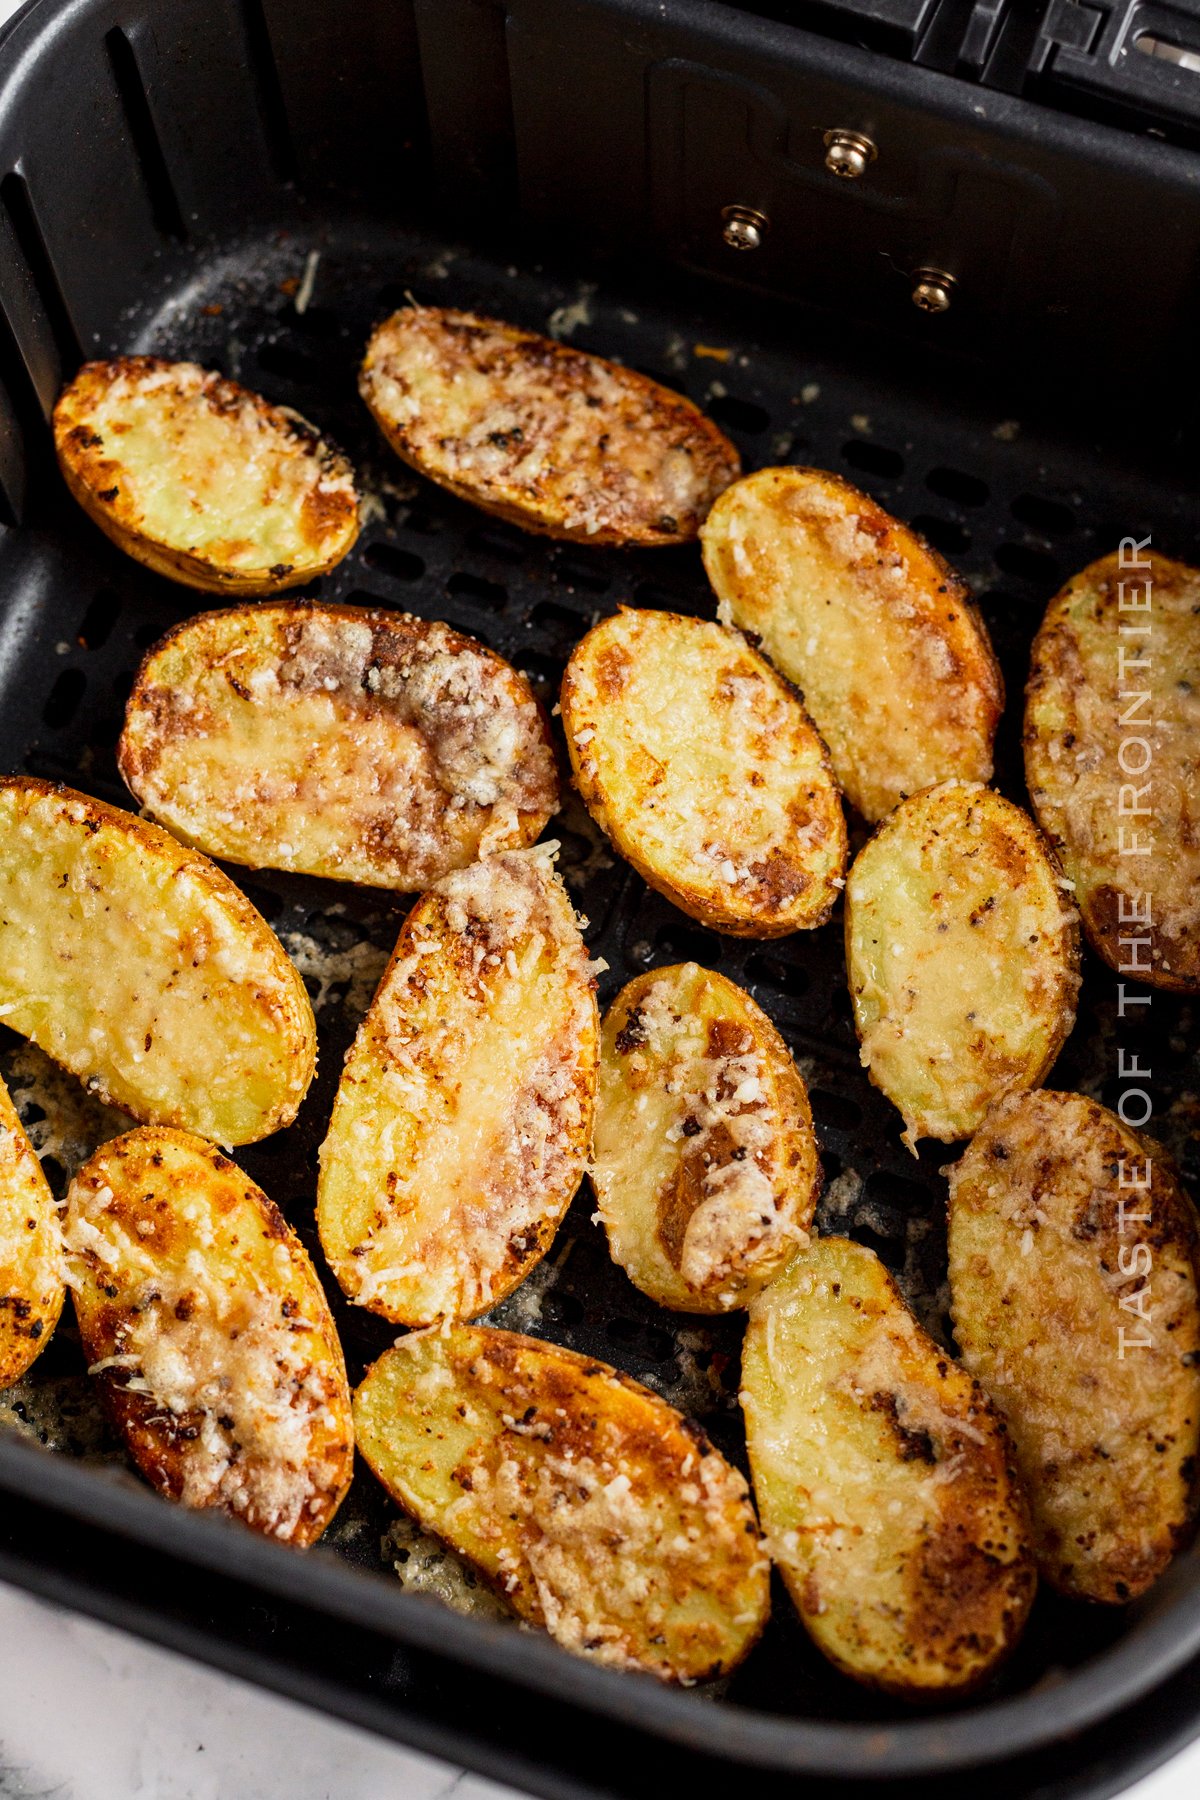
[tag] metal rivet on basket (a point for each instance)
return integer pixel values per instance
(848, 154)
(744, 227)
(933, 290)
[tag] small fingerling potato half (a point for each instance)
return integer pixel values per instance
(464, 1115)
(365, 746)
(595, 1508)
(540, 433)
(31, 1282)
(875, 630)
(962, 951)
(140, 967)
(704, 1164)
(884, 1480)
(1073, 1277)
(203, 1320)
(202, 480)
(1112, 758)
(701, 765)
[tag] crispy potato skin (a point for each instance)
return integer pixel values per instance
(1073, 748)
(1042, 1280)
(464, 1115)
(703, 768)
(597, 1510)
(361, 745)
(962, 951)
(137, 965)
(884, 1480)
(31, 1283)
(541, 434)
(202, 480)
(876, 631)
(222, 1368)
(704, 1164)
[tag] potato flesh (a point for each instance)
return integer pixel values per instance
(139, 967)
(1126, 835)
(365, 746)
(705, 771)
(877, 633)
(599, 1511)
(882, 1478)
(541, 433)
(176, 458)
(464, 1114)
(202, 1316)
(31, 1284)
(704, 1164)
(961, 948)
(1044, 1281)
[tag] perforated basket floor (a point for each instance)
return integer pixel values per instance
(1015, 511)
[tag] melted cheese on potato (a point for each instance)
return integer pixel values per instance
(31, 1282)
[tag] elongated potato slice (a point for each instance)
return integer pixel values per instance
(464, 1114)
(31, 1281)
(704, 769)
(366, 746)
(539, 433)
(704, 1165)
(962, 951)
(876, 631)
(598, 1510)
(1112, 758)
(203, 1318)
(883, 1478)
(138, 966)
(1073, 1279)
(202, 480)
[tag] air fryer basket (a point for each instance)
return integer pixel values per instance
(253, 185)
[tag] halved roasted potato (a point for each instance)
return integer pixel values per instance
(1073, 1281)
(962, 951)
(542, 434)
(1112, 758)
(202, 480)
(366, 746)
(203, 1318)
(884, 1480)
(138, 966)
(464, 1115)
(600, 1512)
(704, 1164)
(704, 769)
(876, 631)
(31, 1277)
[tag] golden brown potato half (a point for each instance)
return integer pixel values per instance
(884, 1481)
(876, 631)
(600, 1512)
(541, 434)
(702, 766)
(704, 1164)
(202, 480)
(365, 746)
(464, 1115)
(1112, 758)
(31, 1281)
(1074, 1301)
(203, 1318)
(138, 966)
(962, 949)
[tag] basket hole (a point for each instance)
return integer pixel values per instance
(541, 671)
(263, 899)
(580, 575)
(681, 944)
(390, 560)
(422, 522)
(498, 543)
(873, 459)
(489, 594)
(63, 700)
(958, 487)
(553, 617)
(288, 360)
(945, 535)
(895, 1190)
(889, 1252)
(660, 599)
(834, 1111)
(739, 415)
(664, 378)
(96, 625)
(785, 978)
(1028, 564)
(317, 321)
(145, 635)
(1049, 516)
